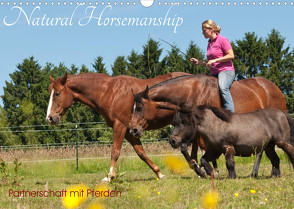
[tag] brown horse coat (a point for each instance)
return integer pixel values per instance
(112, 97)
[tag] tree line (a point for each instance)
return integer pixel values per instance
(26, 96)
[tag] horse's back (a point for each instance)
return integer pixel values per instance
(257, 93)
(248, 95)
(142, 83)
(269, 122)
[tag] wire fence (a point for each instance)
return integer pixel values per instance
(66, 151)
(77, 127)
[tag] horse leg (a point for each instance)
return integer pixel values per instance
(289, 149)
(205, 159)
(192, 163)
(230, 163)
(137, 145)
(272, 155)
(198, 142)
(216, 173)
(255, 169)
(194, 150)
(119, 131)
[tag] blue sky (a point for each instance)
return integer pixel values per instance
(77, 44)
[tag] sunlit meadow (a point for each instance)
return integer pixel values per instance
(137, 186)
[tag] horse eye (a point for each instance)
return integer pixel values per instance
(57, 94)
(139, 107)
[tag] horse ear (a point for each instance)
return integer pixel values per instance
(52, 79)
(63, 79)
(133, 92)
(146, 92)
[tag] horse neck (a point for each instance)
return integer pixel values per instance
(89, 89)
(187, 91)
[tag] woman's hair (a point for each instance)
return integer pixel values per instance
(211, 24)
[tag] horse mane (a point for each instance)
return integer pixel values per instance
(221, 113)
(88, 76)
(172, 80)
(208, 80)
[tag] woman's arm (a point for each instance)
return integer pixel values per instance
(195, 61)
(229, 56)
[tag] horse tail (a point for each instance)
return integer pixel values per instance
(291, 124)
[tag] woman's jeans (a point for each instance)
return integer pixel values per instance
(225, 80)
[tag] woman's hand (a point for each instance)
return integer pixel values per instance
(194, 61)
(210, 62)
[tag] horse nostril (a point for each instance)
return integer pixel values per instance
(135, 131)
(172, 142)
(50, 119)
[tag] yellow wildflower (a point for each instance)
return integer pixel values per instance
(210, 200)
(176, 164)
(75, 196)
(103, 190)
(96, 205)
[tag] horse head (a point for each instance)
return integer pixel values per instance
(147, 110)
(184, 127)
(61, 98)
(144, 109)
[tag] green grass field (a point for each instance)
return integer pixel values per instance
(139, 187)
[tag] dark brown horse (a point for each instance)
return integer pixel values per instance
(231, 134)
(248, 95)
(112, 97)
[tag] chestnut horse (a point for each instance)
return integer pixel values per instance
(112, 97)
(248, 95)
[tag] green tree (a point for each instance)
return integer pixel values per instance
(150, 59)
(174, 62)
(280, 65)
(250, 56)
(194, 51)
(120, 67)
(135, 64)
(276, 59)
(99, 66)
(21, 97)
(7, 138)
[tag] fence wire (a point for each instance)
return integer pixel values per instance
(63, 128)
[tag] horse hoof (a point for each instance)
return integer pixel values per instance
(254, 175)
(202, 172)
(160, 176)
(216, 174)
(276, 172)
(106, 180)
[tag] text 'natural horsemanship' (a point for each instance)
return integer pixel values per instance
(84, 16)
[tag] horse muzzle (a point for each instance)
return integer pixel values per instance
(174, 142)
(136, 132)
(53, 120)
